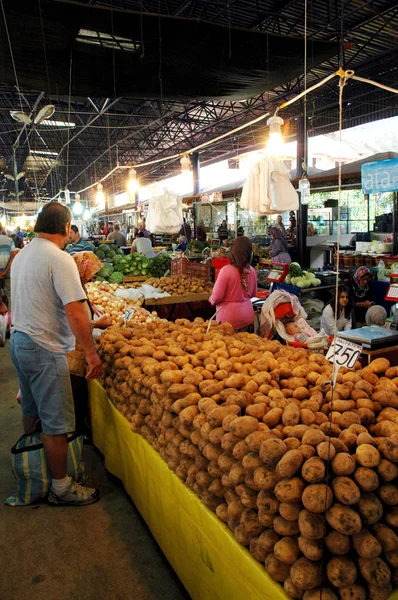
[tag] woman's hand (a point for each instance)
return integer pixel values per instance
(3, 308)
(102, 323)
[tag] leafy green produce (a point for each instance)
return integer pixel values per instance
(159, 265)
(116, 277)
(196, 246)
(105, 272)
(295, 270)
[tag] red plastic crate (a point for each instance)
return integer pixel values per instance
(183, 266)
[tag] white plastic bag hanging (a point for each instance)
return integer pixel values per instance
(165, 214)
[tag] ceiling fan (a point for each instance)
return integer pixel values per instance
(44, 113)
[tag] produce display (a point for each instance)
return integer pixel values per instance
(304, 477)
(261, 251)
(301, 279)
(118, 265)
(102, 295)
(159, 265)
(177, 285)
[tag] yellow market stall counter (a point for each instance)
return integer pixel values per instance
(200, 548)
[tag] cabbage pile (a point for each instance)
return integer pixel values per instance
(301, 279)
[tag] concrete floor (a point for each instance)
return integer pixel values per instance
(101, 551)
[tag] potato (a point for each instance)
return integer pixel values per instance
(287, 550)
(379, 365)
(268, 539)
(243, 426)
(389, 449)
(267, 502)
(292, 443)
(235, 381)
(366, 479)
(181, 390)
(265, 479)
(326, 450)
(345, 490)
(313, 470)
(289, 490)
(392, 558)
(291, 590)
(254, 440)
(291, 415)
(313, 437)
(317, 497)
(307, 451)
(338, 543)
(271, 451)
(349, 438)
(290, 511)
(367, 456)
(389, 494)
(343, 519)
(375, 571)
(273, 417)
(352, 592)
(386, 537)
(312, 527)
(366, 544)
(343, 464)
(240, 450)
(370, 509)
(305, 574)
(289, 464)
(216, 416)
(277, 569)
(341, 571)
(380, 593)
(312, 549)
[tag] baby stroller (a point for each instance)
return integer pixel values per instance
(280, 307)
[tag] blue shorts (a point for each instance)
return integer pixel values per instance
(44, 381)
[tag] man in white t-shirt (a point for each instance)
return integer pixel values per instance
(48, 313)
(143, 245)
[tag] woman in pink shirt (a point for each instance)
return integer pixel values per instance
(235, 285)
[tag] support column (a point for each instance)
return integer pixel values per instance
(302, 213)
(395, 224)
(196, 184)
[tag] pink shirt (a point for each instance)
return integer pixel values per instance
(232, 302)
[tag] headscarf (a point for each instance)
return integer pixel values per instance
(277, 234)
(376, 316)
(88, 264)
(360, 272)
(240, 256)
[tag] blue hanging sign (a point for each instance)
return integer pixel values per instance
(380, 176)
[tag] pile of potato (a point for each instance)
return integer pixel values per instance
(177, 285)
(303, 477)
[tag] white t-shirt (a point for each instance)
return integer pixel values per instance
(144, 246)
(43, 280)
(327, 321)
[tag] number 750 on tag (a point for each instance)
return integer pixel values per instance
(344, 353)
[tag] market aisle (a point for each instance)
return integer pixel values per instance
(100, 551)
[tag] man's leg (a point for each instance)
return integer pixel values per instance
(56, 449)
(29, 424)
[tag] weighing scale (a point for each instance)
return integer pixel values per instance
(392, 292)
(371, 338)
(277, 274)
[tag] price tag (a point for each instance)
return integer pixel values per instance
(343, 353)
(128, 314)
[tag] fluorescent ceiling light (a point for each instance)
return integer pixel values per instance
(58, 123)
(105, 40)
(44, 152)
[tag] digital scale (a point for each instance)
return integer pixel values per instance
(278, 272)
(371, 338)
(392, 292)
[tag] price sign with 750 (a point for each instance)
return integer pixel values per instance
(344, 353)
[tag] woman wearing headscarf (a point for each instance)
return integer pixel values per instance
(279, 250)
(235, 285)
(376, 316)
(88, 265)
(361, 294)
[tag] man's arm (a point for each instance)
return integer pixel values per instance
(76, 313)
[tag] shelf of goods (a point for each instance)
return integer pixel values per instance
(307, 486)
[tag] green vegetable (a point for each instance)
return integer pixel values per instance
(116, 277)
(158, 266)
(295, 270)
(105, 272)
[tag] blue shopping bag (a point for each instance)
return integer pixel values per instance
(30, 468)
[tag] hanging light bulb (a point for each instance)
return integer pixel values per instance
(275, 141)
(132, 182)
(100, 197)
(185, 163)
(77, 207)
(86, 215)
(186, 175)
(304, 189)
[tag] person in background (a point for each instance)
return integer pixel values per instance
(77, 243)
(143, 245)
(48, 316)
(186, 231)
(344, 313)
(223, 231)
(201, 235)
(123, 229)
(279, 250)
(118, 237)
(87, 265)
(240, 230)
(7, 247)
(361, 294)
(279, 225)
(20, 233)
(376, 316)
(18, 241)
(105, 230)
(236, 284)
(145, 231)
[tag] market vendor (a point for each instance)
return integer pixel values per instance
(362, 294)
(279, 225)
(77, 244)
(279, 249)
(201, 232)
(331, 323)
(223, 231)
(235, 286)
(143, 245)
